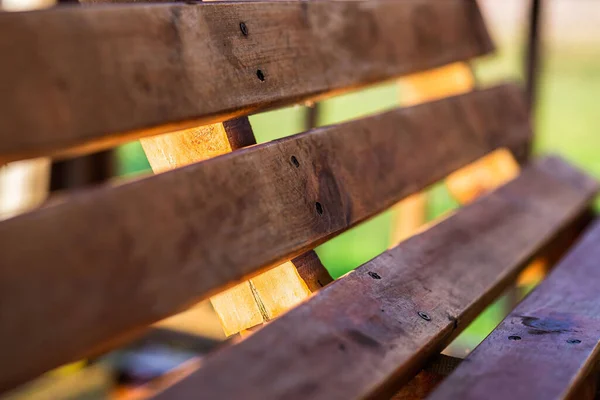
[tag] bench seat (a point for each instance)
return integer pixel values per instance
(93, 270)
(376, 327)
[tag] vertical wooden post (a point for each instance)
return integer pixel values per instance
(23, 186)
(265, 296)
(453, 79)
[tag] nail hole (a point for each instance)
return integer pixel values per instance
(424, 315)
(573, 341)
(514, 337)
(374, 275)
(295, 162)
(260, 75)
(244, 29)
(319, 208)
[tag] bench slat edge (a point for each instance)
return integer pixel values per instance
(93, 77)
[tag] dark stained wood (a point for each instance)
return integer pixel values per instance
(91, 77)
(436, 370)
(555, 336)
(311, 118)
(107, 261)
(312, 271)
(365, 330)
(239, 133)
(78, 172)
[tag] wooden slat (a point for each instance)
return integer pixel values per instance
(92, 77)
(383, 321)
(110, 260)
(547, 346)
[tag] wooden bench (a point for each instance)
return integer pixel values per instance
(88, 273)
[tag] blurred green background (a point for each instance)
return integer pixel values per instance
(565, 120)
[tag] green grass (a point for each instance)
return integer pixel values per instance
(565, 122)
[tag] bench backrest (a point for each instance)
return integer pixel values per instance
(84, 274)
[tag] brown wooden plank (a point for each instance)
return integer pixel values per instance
(428, 379)
(92, 77)
(110, 260)
(547, 346)
(382, 322)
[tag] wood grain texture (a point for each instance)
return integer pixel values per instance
(312, 271)
(279, 289)
(239, 133)
(178, 149)
(188, 146)
(265, 296)
(555, 336)
(93, 77)
(363, 331)
(237, 308)
(111, 260)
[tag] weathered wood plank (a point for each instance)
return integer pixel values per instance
(92, 77)
(382, 322)
(109, 260)
(547, 346)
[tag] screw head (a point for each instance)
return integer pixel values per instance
(244, 29)
(424, 315)
(374, 275)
